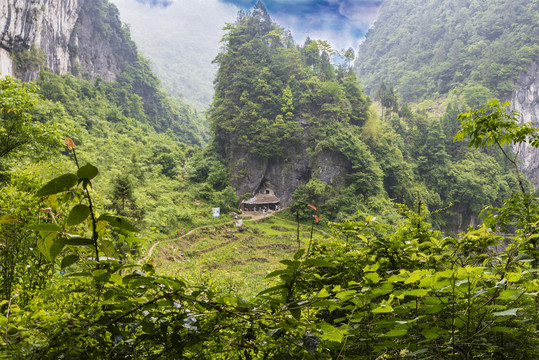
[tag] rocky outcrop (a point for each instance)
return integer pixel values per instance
(251, 173)
(61, 36)
(525, 100)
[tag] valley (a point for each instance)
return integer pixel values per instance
(406, 191)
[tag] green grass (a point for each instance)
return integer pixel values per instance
(232, 260)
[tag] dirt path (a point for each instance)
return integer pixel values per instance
(254, 216)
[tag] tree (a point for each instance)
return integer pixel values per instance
(122, 192)
(18, 131)
(387, 97)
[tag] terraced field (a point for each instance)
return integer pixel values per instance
(232, 259)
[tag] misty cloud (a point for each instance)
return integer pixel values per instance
(183, 37)
(343, 23)
(152, 3)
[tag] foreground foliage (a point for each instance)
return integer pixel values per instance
(370, 291)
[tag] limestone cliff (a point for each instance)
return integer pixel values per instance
(525, 100)
(251, 173)
(283, 175)
(78, 36)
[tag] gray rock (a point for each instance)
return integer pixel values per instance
(525, 100)
(64, 34)
(251, 173)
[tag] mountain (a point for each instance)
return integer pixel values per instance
(66, 37)
(467, 48)
(91, 84)
(284, 118)
(87, 39)
(424, 48)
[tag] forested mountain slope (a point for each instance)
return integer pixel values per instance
(119, 117)
(87, 39)
(424, 48)
(472, 49)
(73, 284)
(284, 117)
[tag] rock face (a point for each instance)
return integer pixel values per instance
(58, 35)
(525, 100)
(251, 173)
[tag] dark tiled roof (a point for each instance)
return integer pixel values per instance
(263, 199)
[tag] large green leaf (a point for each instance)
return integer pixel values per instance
(59, 184)
(44, 245)
(78, 214)
(509, 312)
(69, 260)
(372, 278)
(396, 333)
(55, 249)
(317, 262)
(382, 309)
(88, 171)
(331, 333)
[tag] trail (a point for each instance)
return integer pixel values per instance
(255, 216)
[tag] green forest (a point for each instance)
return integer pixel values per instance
(425, 247)
(449, 45)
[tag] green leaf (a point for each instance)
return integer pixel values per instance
(118, 222)
(510, 312)
(88, 171)
(78, 214)
(45, 227)
(325, 304)
(273, 289)
(396, 333)
(295, 310)
(44, 245)
(322, 293)
(331, 333)
(68, 260)
(372, 278)
(416, 292)
(508, 294)
(318, 262)
(382, 309)
(503, 329)
(415, 276)
(55, 249)
(76, 242)
(278, 272)
(345, 295)
(8, 219)
(289, 263)
(429, 334)
(417, 352)
(59, 184)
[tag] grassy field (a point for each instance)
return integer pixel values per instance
(230, 259)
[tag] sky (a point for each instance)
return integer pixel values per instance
(343, 23)
(182, 37)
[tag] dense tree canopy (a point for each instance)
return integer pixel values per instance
(428, 47)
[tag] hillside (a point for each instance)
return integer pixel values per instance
(88, 40)
(109, 248)
(426, 48)
(285, 119)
